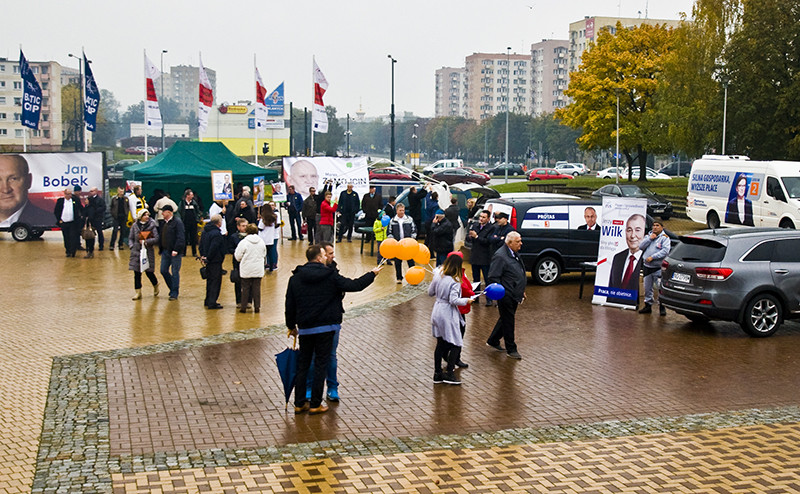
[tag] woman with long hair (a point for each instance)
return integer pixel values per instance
(446, 319)
(269, 231)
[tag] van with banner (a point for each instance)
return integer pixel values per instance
(31, 183)
(734, 191)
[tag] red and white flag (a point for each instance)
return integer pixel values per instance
(261, 105)
(206, 99)
(152, 114)
(319, 119)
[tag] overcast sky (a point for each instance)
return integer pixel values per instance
(350, 39)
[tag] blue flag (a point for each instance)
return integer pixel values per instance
(91, 97)
(274, 102)
(31, 95)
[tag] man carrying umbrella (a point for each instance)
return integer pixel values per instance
(314, 311)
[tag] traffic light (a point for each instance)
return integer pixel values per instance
(266, 148)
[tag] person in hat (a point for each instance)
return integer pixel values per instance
(173, 245)
(143, 235)
(441, 236)
(380, 230)
(501, 229)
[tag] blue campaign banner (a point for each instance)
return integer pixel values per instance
(31, 95)
(274, 101)
(91, 98)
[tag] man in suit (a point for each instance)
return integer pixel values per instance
(627, 264)
(371, 203)
(349, 204)
(15, 181)
(508, 270)
(68, 213)
(481, 258)
(590, 217)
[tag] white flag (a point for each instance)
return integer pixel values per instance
(152, 114)
(206, 99)
(319, 119)
(261, 105)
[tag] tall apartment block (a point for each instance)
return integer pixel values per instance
(497, 82)
(12, 134)
(451, 88)
(549, 75)
(181, 85)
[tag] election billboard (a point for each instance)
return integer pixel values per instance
(304, 173)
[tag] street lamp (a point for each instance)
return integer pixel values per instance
(508, 90)
(616, 174)
(724, 113)
(163, 139)
(391, 115)
(415, 141)
(80, 91)
(347, 134)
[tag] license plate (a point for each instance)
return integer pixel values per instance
(681, 277)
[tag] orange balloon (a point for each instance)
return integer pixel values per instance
(389, 248)
(423, 256)
(407, 249)
(415, 275)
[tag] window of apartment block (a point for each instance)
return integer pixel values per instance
(17, 84)
(18, 132)
(45, 117)
(35, 132)
(2, 83)
(18, 101)
(16, 69)
(44, 69)
(3, 132)
(35, 69)
(46, 134)
(45, 101)
(17, 117)
(2, 100)
(2, 68)
(44, 86)
(3, 116)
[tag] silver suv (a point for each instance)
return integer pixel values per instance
(747, 275)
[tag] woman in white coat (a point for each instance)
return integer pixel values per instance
(446, 319)
(251, 254)
(269, 229)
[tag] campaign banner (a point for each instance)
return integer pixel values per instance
(278, 191)
(31, 95)
(91, 100)
(619, 258)
(269, 123)
(222, 185)
(258, 190)
(274, 102)
(315, 172)
(44, 176)
(561, 217)
(723, 184)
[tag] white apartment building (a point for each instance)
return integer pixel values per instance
(451, 89)
(12, 134)
(549, 75)
(497, 82)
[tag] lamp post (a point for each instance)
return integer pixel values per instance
(415, 141)
(80, 91)
(508, 89)
(724, 113)
(391, 115)
(616, 174)
(347, 134)
(163, 138)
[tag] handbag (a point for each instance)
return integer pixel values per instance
(203, 272)
(304, 229)
(144, 260)
(235, 275)
(87, 233)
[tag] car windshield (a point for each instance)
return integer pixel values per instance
(694, 249)
(792, 185)
(633, 191)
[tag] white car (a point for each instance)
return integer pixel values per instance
(651, 174)
(573, 169)
(612, 172)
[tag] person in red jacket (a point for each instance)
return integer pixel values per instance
(466, 291)
(327, 218)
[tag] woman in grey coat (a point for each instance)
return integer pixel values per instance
(446, 319)
(144, 234)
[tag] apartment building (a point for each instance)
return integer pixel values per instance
(451, 88)
(12, 134)
(497, 82)
(181, 85)
(549, 75)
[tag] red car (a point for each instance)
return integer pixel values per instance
(476, 172)
(461, 175)
(547, 174)
(388, 174)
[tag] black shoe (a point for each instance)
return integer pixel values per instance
(301, 237)
(293, 238)
(496, 347)
(215, 306)
(450, 378)
(462, 365)
(224, 272)
(647, 309)
(662, 311)
(514, 355)
(438, 377)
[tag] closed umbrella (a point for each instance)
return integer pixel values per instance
(287, 368)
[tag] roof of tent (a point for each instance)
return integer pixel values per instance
(191, 160)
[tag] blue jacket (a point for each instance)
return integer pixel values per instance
(658, 249)
(294, 202)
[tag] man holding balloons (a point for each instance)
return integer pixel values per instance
(508, 271)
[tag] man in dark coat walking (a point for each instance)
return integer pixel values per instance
(69, 216)
(415, 198)
(294, 205)
(173, 245)
(95, 214)
(348, 207)
(212, 254)
(441, 237)
(481, 234)
(371, 203)
(507, 269)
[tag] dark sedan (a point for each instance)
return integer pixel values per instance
(514, 169)
(656, 205)
(460, 176)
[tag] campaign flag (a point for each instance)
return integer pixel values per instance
(261, 108)
(31, 95)
(206, 99)
(275, 102)
(319, 119)
(91, 98)
(152, 114)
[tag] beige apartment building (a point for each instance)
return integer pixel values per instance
(451, 89)
(549, 75)
(181, 85)
(12, 133)
(497, 82)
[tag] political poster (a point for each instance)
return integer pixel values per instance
(619, 258)
(315, 172)
(278, 191)
(258, 190)
(222, 185)
(274, 102)
(31, 95)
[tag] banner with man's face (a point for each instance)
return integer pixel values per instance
(304, 173)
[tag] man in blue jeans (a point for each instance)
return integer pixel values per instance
(173, 243)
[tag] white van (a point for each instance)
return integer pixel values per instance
(442, 165)
(734, 191)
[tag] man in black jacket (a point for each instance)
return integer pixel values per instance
(415, 198)
(212, 253)
(95, 214)
(119, 213)
(173, 245)
(68, 212)
(500, 230)
(348, 207)
(314, 311)
(481, 234)
(441, 236)
(507, 269)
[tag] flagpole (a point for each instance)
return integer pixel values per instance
(313, 102)
(83, 101)
(199, 137)
(144, 105)
(255, 113)
(24, 139)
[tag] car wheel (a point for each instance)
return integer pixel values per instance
(515, 174)
(712, 220)
(762, 316)
(575, 174)
(535, 179)
(787, 223)
(21, 233)
(547, 271)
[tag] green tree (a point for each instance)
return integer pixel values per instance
(627, 63)
(71, 115)
(107, 120)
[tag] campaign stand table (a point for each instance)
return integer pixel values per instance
(366, 234)
(585, 266)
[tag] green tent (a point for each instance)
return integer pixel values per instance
(189, 164)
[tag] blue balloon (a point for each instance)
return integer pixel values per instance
(385, 220)
(495, 291)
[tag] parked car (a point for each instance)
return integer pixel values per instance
(499, 169)
(656, 204)
(547, 174)
(612, 172)
(573, 169)
(388, 174)
(746, 275)
(651, 174)
(459, 176)
(115, 170)
(677, 169)
(473, 170)
(442, 165)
